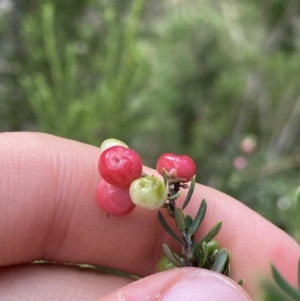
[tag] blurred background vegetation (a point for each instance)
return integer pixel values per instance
(217, 80)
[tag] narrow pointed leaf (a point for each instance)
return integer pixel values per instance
(164, 173)
(178, 259)
(282, 283)
(167, 227)
(174, 197)
(214, 255)
(273, 293)
(220, 264)
(227, 271)
(179, 219)
(205, 251)
(213, 232)
(171, 256)
(201, 255)
(188, 221)
(190, 192)
(198, 218)
(200, 258)
(210, 235)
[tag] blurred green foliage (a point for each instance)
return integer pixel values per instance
(195, 77)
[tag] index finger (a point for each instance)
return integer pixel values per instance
(49, 212)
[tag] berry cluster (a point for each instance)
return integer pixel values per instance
(124, 185)
(118, 166)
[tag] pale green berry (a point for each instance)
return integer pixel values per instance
(165, 264)
(111, 142)
(148, 192)
(212, 246)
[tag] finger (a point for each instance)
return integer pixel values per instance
(182, 284)
(53, 282)
(48, 208)
(253, 242)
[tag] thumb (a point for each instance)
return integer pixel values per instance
(181, 284)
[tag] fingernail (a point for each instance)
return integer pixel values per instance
(198, 285)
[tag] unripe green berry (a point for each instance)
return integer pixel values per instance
(111, 142)
(212, 246)
(148, 192)
(165, 264)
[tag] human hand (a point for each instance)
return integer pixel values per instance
(48, 211)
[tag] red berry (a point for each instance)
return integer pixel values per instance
(120, 166)
(113, 200)
(179, 166)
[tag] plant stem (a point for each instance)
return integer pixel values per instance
(187, 248)
(187, 242)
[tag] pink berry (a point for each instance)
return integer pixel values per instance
(240, 163)
(120, 166)
(178, 166)
(113, 200)
(249, 144)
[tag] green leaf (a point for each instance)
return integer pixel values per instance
(241, 282)
(205, 250)
(167, 227)
(175, 260)
(210, 235)
(179, 259)
(164, 173)
(272, 293)
(227, 271)
(174, 197)
(198, 218)
(221, 263)
(179, 219)
(284, 285)
(200, 257)
(188, 221)
(190, 192)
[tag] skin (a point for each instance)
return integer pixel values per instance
(48, 211)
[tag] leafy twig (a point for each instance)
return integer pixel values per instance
(196, 254)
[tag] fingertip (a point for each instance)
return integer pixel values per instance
(182, 284)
